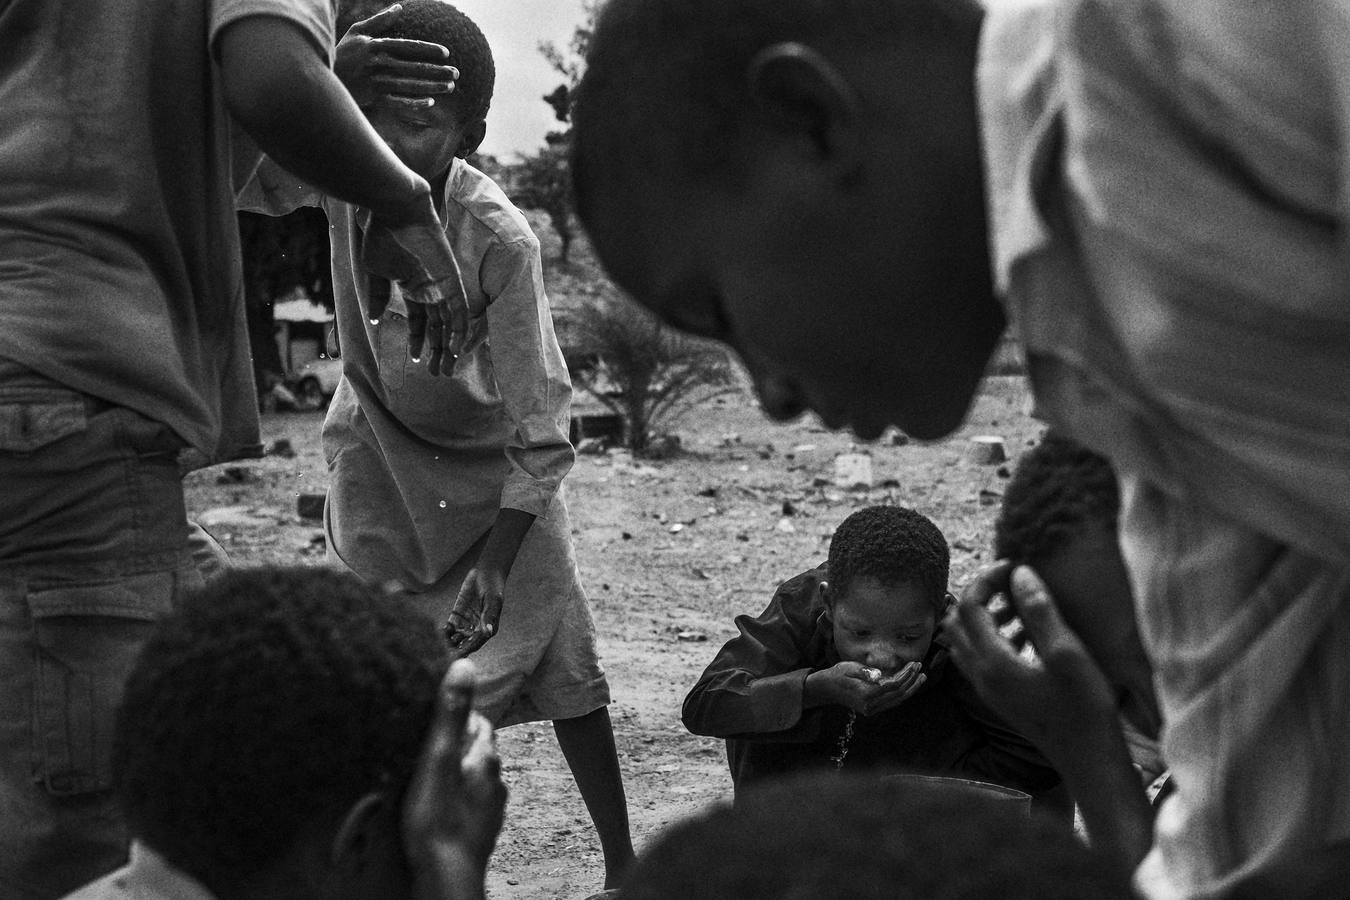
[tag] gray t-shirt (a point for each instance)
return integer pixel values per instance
(119, 248)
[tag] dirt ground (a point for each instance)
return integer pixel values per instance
(669, 551)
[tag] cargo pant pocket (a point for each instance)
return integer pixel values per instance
(87, 639)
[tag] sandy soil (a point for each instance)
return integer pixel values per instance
(670, 551)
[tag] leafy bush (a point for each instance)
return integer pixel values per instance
(644, 372)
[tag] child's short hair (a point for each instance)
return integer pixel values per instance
(894, 545)
(440, 23)
(665, 80)
(1059, 487)
(865, 838)
(270, 697)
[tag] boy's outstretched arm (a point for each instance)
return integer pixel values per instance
(1060, 700)
(478, 608)
(279, 89)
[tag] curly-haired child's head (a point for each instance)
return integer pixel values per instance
(892, 544)
(428, 139)
(438, 22)
(1059, 516)
(1059, 487)
(272, 700)
(886, 587)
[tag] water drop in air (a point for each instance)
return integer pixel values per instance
(442, 504)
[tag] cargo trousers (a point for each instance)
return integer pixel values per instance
(93, 550)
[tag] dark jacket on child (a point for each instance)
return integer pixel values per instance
(751, 695)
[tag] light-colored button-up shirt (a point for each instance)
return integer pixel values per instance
(1191, 150)
(427, 461)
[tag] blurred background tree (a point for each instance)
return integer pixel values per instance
(643, 371)
(541, 181)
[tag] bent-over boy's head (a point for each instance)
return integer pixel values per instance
(428, 140)
(801, 180)
(867, 839)
(269, 729)
(887, 586)
(1059, 517)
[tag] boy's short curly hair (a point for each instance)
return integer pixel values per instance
(894, 545)
(440, 23)
(1059, 487)
(270, 699)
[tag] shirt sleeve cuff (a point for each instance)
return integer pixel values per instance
(532, 498)
(777, 700)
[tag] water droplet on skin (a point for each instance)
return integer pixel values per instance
(374, 321)
(442, 504)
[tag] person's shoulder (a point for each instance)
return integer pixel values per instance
(113, 886)
(482, 201)
(316, 17)
(147, 876)
(801, 591)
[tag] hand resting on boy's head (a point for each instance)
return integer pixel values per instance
(1051, 696)
(861, 688)
(396, 72)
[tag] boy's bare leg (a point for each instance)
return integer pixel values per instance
(587, 743)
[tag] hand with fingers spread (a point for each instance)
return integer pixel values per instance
(456, 801)
(395, 72)
(1059, 698)
(1049, 697)
(415, 253)
(477, 610)
(863, 689)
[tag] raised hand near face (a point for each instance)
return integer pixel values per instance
(456, 801)
(1051, 696)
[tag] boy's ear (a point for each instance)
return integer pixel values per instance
(826, 597)
(357, 833)
(473, 137)
(800, 90)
